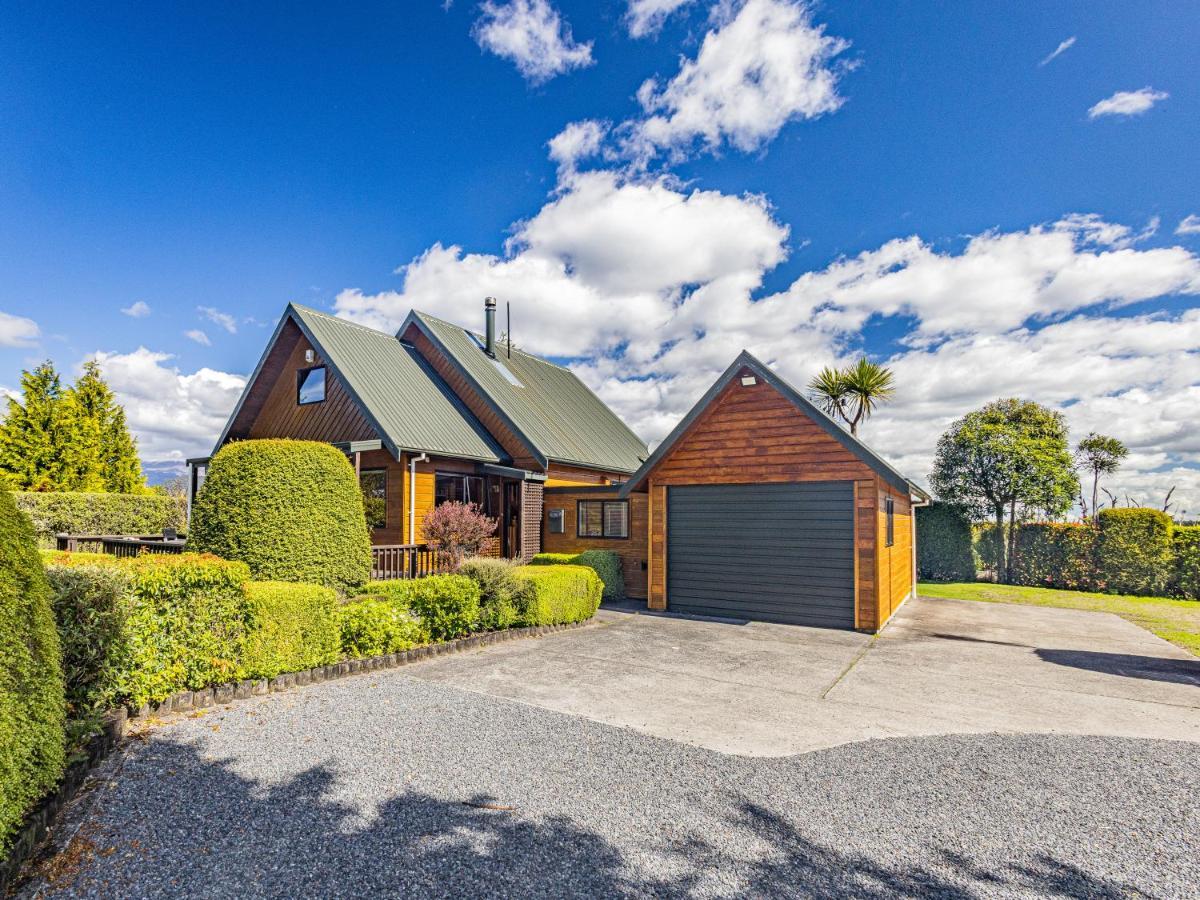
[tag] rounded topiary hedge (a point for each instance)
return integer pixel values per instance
(32, 704)
(290, 510)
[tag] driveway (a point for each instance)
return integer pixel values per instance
(940, 667)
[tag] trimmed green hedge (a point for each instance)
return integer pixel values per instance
(1056, 555)
(373, 626)
(944, 550)
(290, 510)
(1133, 551)
(503, 598)
(32, 710)
(72, 512)
(291, 627)
(1186, 548)
(448, 605)
(604, 563)
(561, 593)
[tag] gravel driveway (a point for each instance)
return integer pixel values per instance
(386, 785)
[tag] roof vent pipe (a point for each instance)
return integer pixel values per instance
(489, 314)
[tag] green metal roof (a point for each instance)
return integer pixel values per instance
(557, 414)
(400, 393)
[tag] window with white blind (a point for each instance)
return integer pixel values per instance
(603, 519)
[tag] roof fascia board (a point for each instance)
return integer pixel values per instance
(262, 361)
(413, 319)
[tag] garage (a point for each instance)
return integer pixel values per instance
(761, 507)
(772, 552)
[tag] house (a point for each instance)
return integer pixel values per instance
(756, 506)
(434, 413)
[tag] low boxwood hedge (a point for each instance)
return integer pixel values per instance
(448, 605)
(291, 627)
(32, 708)
(74, 512)
(560, 593)
(605, 563)
(503, 598)
(372, 626)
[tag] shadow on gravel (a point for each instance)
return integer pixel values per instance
(1151, 668)
(195, 828)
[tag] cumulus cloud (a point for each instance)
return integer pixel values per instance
(137, 310)
(174, 415)
(1189, 225)
(18, 331)
(225, 320)
(646, 17)
(763, 64)
(1127, 103)
(198, 336)
(576, 142)
(533, 35)
(1058, 51)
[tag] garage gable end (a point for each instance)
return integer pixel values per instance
(752, 425)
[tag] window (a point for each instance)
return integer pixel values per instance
(310, 385)
(890, 507)
(603, 518)
(373, 484)
(459, 489)
(557, 519)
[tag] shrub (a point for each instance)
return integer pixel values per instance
(605, 563)
(448, 605)
(394, 590)
(290, 510)
(291, 627)
(1057, 555)
(76, 558)
(457, 530)
(373, 626)
(87, 513)
(1186, 547)
(503, 598)
(560, 593)
(32, 709)
(944, 544)
(1133, 554)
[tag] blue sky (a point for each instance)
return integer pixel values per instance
(235, 157)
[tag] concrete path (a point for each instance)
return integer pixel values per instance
(940, 667)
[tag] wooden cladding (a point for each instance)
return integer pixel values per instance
(631, 550)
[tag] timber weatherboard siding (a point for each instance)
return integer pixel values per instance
(631, 551)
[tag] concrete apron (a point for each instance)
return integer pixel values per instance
(941, 666)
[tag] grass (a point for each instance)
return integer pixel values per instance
(1177, 621)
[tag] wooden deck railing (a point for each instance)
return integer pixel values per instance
(119, 544)
(392, 561)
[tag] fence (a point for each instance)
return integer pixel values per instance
(119, 544)
(392, 561)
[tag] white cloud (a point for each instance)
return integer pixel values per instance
(1189, 225)
(646, 17)
(533, 35)
(1127, 103)
(576, 142)
(1059, 50)
(18, 331)
(138, 310)
(762, 65)
(225, 320)
(172, 414)
(198, 336)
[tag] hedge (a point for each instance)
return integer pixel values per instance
(290, 627)
(944, 550)
(503, 598)
(1133, 551)
(290, 510)
(605, 563)
(448, 605)
(1056, 555)
(32, 711)
(1186, 549)
(561, 593)
(373, 626)
(86, 513)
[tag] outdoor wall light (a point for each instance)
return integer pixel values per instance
(748, 380)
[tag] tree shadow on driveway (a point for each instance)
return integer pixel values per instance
(180, 825)
(1152, 668)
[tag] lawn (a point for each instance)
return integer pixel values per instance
(1177, 621)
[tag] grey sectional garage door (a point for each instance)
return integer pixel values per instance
(774, 552)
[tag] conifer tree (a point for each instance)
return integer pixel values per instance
(106, 458)
(33, 435)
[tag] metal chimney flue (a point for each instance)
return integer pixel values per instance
(489, 314)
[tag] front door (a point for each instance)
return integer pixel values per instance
(511, 524)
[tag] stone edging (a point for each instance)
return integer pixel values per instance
(40, 821)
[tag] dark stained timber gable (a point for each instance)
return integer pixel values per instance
(780, 552)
